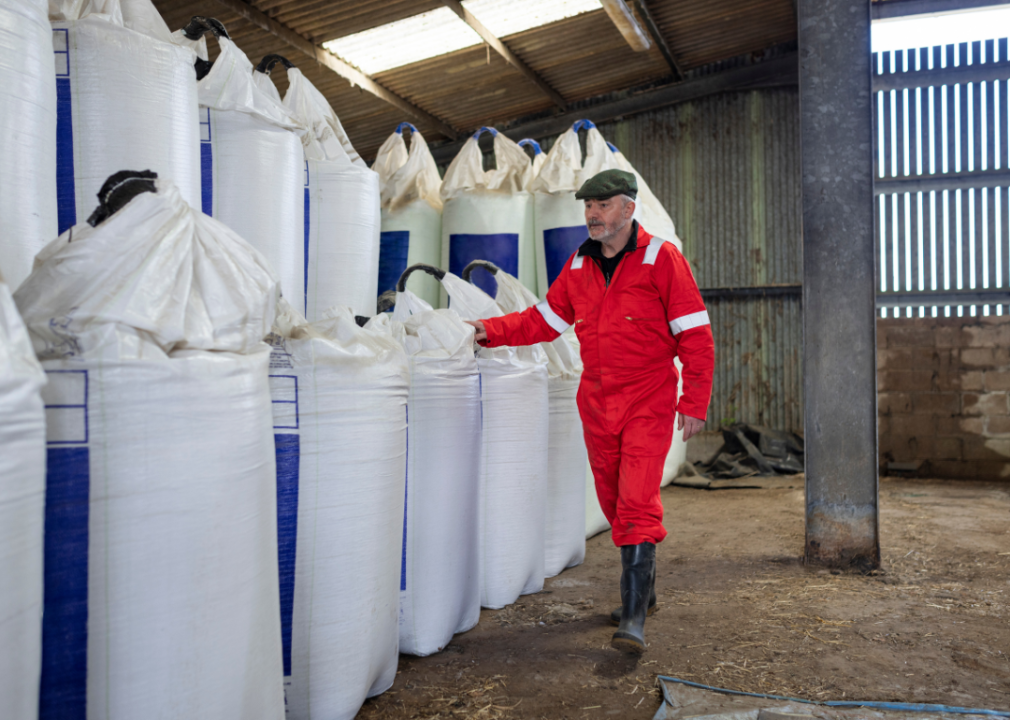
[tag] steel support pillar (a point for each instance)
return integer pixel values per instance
(839, 322)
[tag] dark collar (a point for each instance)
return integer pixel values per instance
(594, 248)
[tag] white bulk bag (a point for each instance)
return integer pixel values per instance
(560, 218)
(253, 171)
(649, 211)
(677, 455)
(27, 136)
(596, 521)
(513, 474)
(341, 205)
(340, 424)
(22, 500)
(411, 213)
(126, 99)
(487, 214)
(539, 158)
(161, 572)
(440, 581)
(565, 518)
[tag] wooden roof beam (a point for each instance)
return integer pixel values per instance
(332, 62)
(650, 25)
(499, 47)
(626, 23)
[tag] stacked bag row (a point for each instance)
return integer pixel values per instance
(511, 446)
(565, 520)
(160, 506)
(284, 175)
(522, 216)
(146, 445)
(439, 579)
(217, 510)
(99, 87)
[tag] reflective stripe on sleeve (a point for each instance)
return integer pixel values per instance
(652, 252)
(686, 322)
(577, 262)
(551, 317)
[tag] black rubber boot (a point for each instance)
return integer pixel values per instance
(615, 617)
(637, 579)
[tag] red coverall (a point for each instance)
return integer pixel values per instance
(630, 332)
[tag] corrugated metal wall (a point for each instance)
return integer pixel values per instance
(727, 168)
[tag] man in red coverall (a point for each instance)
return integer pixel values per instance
(635, 306)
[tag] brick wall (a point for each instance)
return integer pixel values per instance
(943, 388)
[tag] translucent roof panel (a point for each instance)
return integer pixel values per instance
(903, 33)
(508, 17)
(440, 31)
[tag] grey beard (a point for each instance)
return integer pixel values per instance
(608, 232)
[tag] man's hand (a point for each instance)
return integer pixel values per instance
(479, 333)
(691, 426)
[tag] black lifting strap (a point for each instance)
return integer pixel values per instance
(489, 266)
(120, 189)
(268, 62)
(197, 27)
(386, 301)
(401, 284)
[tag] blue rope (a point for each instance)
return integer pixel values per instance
(485, 129)
(532, 143)
(400, 128)
(905, 707)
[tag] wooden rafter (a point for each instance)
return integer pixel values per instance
(657, 37)
(331, 61)
(499, 47)
(627, 24)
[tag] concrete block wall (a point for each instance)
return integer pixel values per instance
(944, 396)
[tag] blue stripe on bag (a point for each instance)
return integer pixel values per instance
(308, 224)
(288, 457)
(500, 248)
(66, 201)
(63, 691)
(559, 244)
(64, 684)
(393, 247)
(206, 164)
(406, 476)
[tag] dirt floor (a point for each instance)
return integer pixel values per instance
(738, 609)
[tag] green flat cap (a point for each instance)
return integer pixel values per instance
(607, 184)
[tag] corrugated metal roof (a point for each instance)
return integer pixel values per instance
(702, 33)
(581, 57)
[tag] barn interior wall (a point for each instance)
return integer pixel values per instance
(943, 387)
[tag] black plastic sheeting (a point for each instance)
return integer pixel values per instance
(750, 450)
